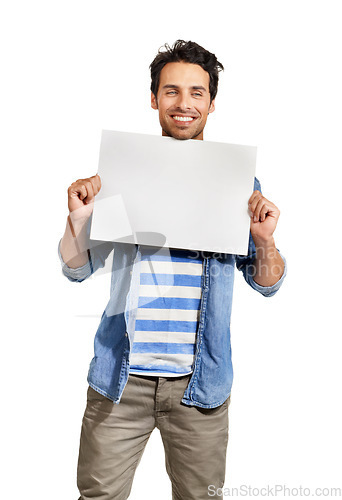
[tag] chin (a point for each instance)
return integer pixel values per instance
(179, 135)
(181, 138)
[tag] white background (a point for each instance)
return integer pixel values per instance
(71, 68)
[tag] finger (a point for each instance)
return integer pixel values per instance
(90, 191)
(96, 182)
(77, 190)
(263, 212)
(255, 200)
(267, 209)
(254, 195)
(96, 176)
(260, 204)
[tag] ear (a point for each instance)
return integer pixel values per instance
(154, 103)
(212, 106)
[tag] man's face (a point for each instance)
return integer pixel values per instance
(183, 100)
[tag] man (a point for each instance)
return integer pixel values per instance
(162, 352)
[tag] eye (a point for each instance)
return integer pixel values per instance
(197, 94)
(171, 92)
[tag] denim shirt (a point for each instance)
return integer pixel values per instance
(211, 380)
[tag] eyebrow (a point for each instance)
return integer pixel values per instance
(193, 87)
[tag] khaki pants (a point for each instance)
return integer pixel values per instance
(114, 436)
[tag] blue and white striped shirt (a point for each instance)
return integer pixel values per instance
(168, 313)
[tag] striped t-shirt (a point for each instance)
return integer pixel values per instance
(168, 312)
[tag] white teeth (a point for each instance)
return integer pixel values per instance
(183, 118)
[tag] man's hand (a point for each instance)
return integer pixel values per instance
(81, 195)
(264, 218)
(75, 242)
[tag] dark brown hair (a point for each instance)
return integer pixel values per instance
(189, 52)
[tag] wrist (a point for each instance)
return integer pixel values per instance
(267, 243)
(76, 223)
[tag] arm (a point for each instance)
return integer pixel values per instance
(264, 268)
(75, 243)
(269, 265)
(78, 255)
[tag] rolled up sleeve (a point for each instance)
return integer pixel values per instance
(77, 274)
(267, 291)
(97, 254)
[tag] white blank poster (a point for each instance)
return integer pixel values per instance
(162, 191)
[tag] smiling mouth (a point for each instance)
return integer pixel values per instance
(183, 119)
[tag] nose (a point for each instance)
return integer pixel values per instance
(183, 101)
